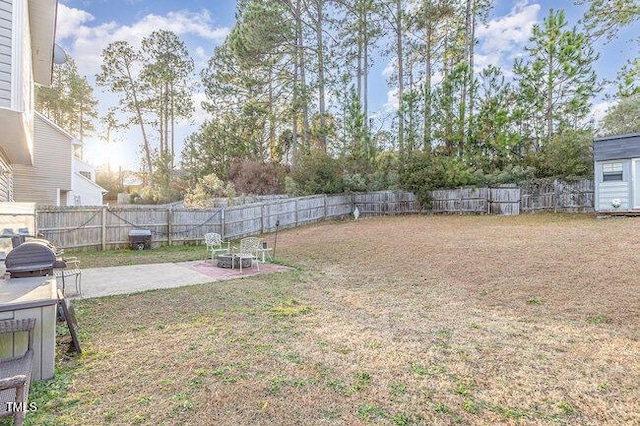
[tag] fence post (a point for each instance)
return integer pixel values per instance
(222, 222)
(325, 206)
(104, 228)
(262, 219)
(169, 225)
(296, 211)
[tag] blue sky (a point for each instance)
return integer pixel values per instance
(85, 27)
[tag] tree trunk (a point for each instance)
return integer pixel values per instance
(173, 133)
(321, 82)
(81, 131)
(470, 105)
(166, 117)
(296, 101)
(411, 125)
(272, 122)
(400, 75)
(549, 109)
(145, 141)
(303, 79)
(428, 34)
(365, 75)
(359, 72)
(462, 110)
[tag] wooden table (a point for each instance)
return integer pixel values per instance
(31, 297)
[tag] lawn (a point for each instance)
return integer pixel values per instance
(428, 320)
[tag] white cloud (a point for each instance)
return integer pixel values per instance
(389, 70)
(69, 20)
(392, 101)
(200, 54)
(86, 42)
(200, 57)
(502, 38)
(599, 110)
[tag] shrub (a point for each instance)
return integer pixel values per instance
(257, 177)
(568, 154)
(158, 195)
(318, 173)
(208, 187)
(291, 187)
(354, 183)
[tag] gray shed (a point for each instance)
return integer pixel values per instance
(617, 173)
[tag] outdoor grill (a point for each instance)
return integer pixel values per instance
(31, 258)
(140, 239)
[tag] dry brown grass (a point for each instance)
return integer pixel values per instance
(405, 320)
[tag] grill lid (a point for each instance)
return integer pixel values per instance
(31, 258)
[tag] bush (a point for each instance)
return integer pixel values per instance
(291, 187)
(568, 154)
(318, 173)
(207, 188)
(157, 195)
(420, 175)
(354, 183)
(257, 178)
(511, 174)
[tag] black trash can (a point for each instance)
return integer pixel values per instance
(140, 239)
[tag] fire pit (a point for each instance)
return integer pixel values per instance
(224, 261)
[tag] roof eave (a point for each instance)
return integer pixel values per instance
(625, 136)
(42, 23)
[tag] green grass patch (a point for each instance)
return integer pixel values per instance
(534, 301)
(294, 358)
(370, 413)
(599, 319)
(289, 308)
(401, 419)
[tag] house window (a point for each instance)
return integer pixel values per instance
(86, 174)
(611, 172)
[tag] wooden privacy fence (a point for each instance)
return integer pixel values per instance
(543, 195)
(108, 227)
(558, 196)
(501, 200)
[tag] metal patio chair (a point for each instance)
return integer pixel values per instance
(215, 244)
(69, 267)
(248, 250)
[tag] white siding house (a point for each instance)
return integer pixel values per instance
(617, 173)
(85, 191)
(56, 177)
(27, 29)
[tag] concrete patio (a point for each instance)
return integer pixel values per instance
(99, 282)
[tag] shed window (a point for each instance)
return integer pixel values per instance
(611, 172)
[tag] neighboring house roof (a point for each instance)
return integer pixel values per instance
(55, 126)
(131, 180)
(78, 175)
